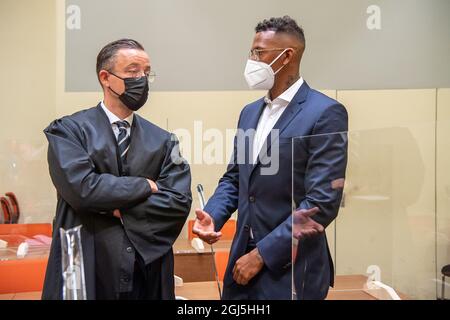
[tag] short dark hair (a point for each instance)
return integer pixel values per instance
(283, 25)
(106, 56)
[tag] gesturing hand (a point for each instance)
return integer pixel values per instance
(204, 227)
(303, 225)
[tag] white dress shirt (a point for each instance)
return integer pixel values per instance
(113, 118)
(272, 112)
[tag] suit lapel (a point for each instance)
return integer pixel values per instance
(292, 109)
(136, 139)
(252, 123)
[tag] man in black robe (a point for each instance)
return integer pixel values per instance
(123, 179)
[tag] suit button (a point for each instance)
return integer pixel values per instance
(126, 279)
(129, 249)
(246, 228)
(251, 199)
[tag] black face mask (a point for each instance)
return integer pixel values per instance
(136, 92)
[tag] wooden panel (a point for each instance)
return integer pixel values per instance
(183, 246)
(194, 267)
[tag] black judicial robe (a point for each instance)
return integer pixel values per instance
(91, 181)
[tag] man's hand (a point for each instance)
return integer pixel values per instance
(204, 227)
(247, 267)
(303, 226)
(116, 213)
(153, 185)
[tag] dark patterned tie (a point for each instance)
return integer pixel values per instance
(123, 140)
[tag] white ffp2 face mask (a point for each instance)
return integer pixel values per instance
(260, 75)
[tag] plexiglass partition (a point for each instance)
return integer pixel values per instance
(376, 197)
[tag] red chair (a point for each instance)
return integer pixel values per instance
(6, 208)
(15, 212)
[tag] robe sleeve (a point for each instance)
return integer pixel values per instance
(74, 177)
(154, 225)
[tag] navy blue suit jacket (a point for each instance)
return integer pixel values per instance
(262, 193)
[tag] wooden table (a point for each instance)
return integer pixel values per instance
(347, 287)
(205, 290)
(352, 287)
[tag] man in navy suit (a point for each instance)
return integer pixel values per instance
(270, 171)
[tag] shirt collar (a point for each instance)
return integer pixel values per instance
(286, 97)
(113, 118)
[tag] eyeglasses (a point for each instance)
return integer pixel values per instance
(255, 53)
(137, 74)
(151, 76)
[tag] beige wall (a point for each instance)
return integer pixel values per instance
(27, 34)
(389, 216)
(443, 182)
